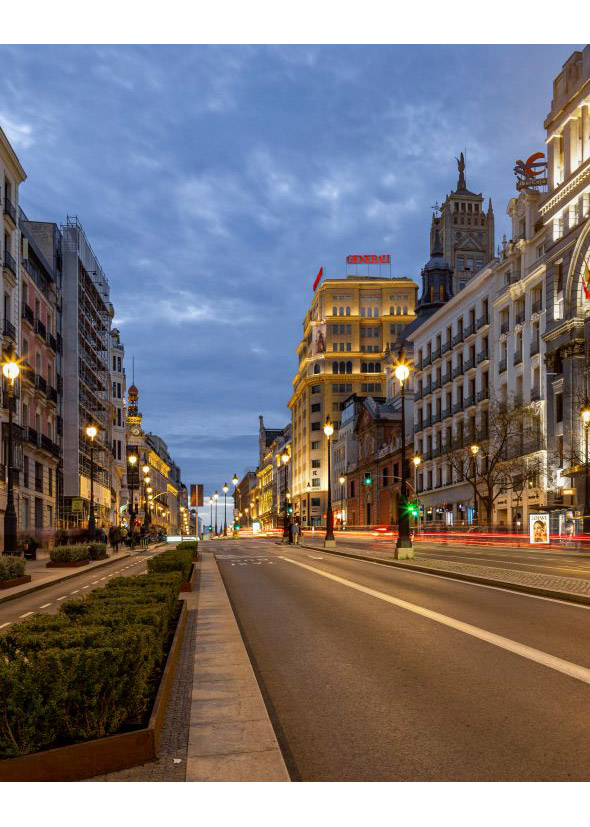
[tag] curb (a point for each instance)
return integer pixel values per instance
(39, 586)
(539, 591)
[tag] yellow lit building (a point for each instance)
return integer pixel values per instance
(349, 329)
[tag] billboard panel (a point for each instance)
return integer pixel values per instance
(539, 528)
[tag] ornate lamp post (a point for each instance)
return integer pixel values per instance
(585, 414)
(225, 490)
(342, 480)
(329, 538)
(235, 481)
(247, 509)
(91, 432)
(132, 461)
(309, 522)
(474, 452)
(215, 497)
(285, 459)
(10, 371)
(146, 482)
(403, 547)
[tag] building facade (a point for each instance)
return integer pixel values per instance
(118, 425)
(350, 327)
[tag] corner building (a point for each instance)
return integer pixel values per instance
(352, 324)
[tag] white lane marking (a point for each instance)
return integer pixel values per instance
(26, 614)
(85, 587)
(103, 578)
(75, 591)
(313, 557)
(5, 624)
(45, 605)
(63, 597)
(499, 563)
(94, 581)
(572, 670)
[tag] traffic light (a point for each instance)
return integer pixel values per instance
(368, 478)
(290, 509)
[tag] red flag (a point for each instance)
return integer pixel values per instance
(318, 279)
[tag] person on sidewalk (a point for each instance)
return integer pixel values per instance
(296, 532)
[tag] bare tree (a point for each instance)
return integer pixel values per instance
(505, 457)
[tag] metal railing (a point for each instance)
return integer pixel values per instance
(482, 357)
(10, 263)
(9, 330)
(9, 210)
(503, 365)
(483, 321)
(535, 347)
(28, 315)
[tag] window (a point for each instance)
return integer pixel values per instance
(315, 501)
(315, 446)
(316, 407)
(114, 362)
(26, 472)
(50, 481)
(334, 311)
(315, 426)
(315, 388)
(559, 407)
(39, 477)
(25, 512)
(315, 483)
(119, 364)
(316, 369)
(316, 463)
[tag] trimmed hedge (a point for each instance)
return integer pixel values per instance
(174, 560)
(193, 545)
(89, 670)
(97, 551)
(11, 568)
(69, 554)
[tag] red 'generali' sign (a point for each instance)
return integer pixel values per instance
(368, 259)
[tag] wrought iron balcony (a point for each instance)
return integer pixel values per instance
(457, 339)
(535, 347)
(10, 210)
(469, 401)
(446, 347)
(483, 394)
(436, 354)
(40, 383)
(519, 319)
(9, 330)
(504, 327)
(9, 263)
(52, 342)
(446, 378)
(457, 371)
(483, 321)
(28, 314)
(503, 365)
(482, 357)
(468, 364)
(518, 357)
(447, 413)
(537, 306)
(458, 406)
(40, 328)
(535, 394)
(469, 330)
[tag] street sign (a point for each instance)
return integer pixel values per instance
(77, 506)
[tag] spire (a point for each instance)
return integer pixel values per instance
(437, 249)
(490, 208)
(461, 185)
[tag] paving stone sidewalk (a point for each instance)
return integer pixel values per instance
(571, 585)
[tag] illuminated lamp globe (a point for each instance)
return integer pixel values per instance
(417, 461)
(402, 371)
(91, 431)
(132, 459)
(584, 413)
(225, 487)
(10, 370)
(328, 428)
(474, 450)
(342, 480)
(235, 479)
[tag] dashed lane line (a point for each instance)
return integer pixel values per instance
(572, 670)
(75, 591)
(26, 614)
(63, 597)
(2, 625)
(45, 605)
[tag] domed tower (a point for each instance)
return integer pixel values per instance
(133, 414)
(437, 280)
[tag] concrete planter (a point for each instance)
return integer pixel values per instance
(187, 585)
(102, 755)
(72, 564)
(18, 581)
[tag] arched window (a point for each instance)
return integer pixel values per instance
(334, 367)
(342, 367)
(316, 368)
(405, 311)
(341, 311)
(377, 367)
(334, 311)
(392, 311)
(364, 367)
(432, 292)
(371, 367)
(376, 312)
(398, 310)
(349, 367)
(348, 311)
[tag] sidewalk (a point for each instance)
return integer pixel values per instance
(41, 576)
(574, 589)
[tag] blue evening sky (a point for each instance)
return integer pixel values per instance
(213, 182)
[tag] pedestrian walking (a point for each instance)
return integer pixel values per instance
(296, 533)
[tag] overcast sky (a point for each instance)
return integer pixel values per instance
(213, 182)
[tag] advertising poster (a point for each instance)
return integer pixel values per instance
(318, 342)
(539, 528)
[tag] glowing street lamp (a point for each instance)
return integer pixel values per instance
(10, 370)
(225, 490)
(329, 538)
(91, 432)
(403, 547)
(342, 481)
(235, 481)
(474, 452)
(215, 498)
(285, 457)
(132, 462)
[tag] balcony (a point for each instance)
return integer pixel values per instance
(52, 342)
(40, 328)
(427, 422)
(535, 394)
(436, 354)
(482, 435)
(483, 394)
(427, 361)
(458, 338)
(470, 363)
(446, 347)
(535, 347)
(469, 401)
(458, 371)
(504, 327)
(436, 385)
(458, 406)
(446, 414)
(446, 378)
(435, 452)
(418, 427)
(52, 394)
(436, 417)
(9, 263)
(40, 383)
(484, 356)
(33, 436)
(427, 389)
(519, 318)
(418, 395)
(10, 210)
(483, 321)
(503, 365)
(10, 330)
(28, 314)
(517, 358)
(469, 330)
(537, 306)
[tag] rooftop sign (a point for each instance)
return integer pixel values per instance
(372, 259)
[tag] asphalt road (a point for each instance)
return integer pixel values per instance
(567, 564)
(48, 600)
(374, 674)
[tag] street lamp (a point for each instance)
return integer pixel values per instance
(235, 481)
(286, 534)
(215, 497)
(403, 547)
(474, 452)
(10, 371)
(585, 414)
(329, 538)
(342, 480)
(309, 522)
(247, 509)
(146, 482)
(225, 490)
(91, 432)
(132, 460)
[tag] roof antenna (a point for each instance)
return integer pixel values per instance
(133, 370)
